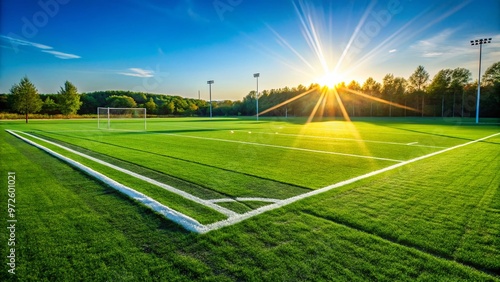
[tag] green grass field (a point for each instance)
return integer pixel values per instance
(425, 204)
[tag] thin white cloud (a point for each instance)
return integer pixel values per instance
(14, 42)
(61, 55)
(432, 54)
(433, 47)
(138, 72)
(393, 50)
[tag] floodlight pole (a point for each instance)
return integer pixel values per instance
(256, 75)
(479, 42)
(210, 82)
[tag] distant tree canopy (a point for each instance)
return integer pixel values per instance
(69, 101)
(116, 101)
(449, 93)
(26, 99)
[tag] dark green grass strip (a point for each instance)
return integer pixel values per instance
(235, 206)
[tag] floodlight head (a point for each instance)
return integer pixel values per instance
(480, 41)
(210, 82)
(256, 74)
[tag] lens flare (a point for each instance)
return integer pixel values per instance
(330, 79)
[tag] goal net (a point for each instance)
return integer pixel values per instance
(121, 118)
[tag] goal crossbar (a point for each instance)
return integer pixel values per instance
(105, 113)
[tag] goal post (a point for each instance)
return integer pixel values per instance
(121, 118)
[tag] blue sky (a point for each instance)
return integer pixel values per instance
(175, 46)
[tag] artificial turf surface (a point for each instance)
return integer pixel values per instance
(436, 219)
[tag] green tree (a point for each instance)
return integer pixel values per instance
(492, 74)
(490, 95)
(116, 101)
(26, 97)
(352, 98)
(193, 108)
(372, 88)
(389, 89)
(170, 108)
(50, 107)
(150, 106)
(69, 99)
(417, 83)
(400, 86)
(440, 86)
(459, 78)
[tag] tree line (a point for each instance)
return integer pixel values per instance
(450, 93)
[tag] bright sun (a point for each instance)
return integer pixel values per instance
(329, 80)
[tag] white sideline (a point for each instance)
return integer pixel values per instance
(283, 147)
(241, 217)
(177, 217)
(181, 193)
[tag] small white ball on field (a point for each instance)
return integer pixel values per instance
(232, 131)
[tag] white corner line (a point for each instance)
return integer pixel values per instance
(183, 220)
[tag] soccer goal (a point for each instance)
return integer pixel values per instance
(121, 118)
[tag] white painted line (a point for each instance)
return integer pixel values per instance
(411, 144)
(234, 220)
(223, 200)
(244, 199)
(181, 193)
(283, 147)
(268, 200)
(177, 217)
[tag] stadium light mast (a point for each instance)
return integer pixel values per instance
(210, 82)
(479, 42)
(256, 75)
